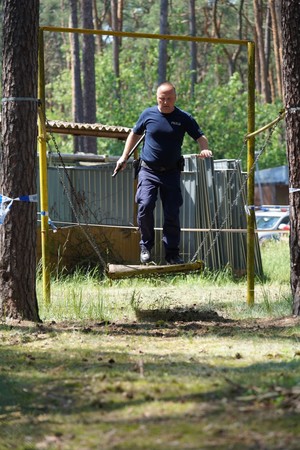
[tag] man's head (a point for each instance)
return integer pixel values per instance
(166, 97)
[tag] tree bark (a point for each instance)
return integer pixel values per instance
(193, 47)
(98, 21)
(291, 84)
(89, 83)
(116, 48)
(163, 54)
(276, 29)
(257, 5)
(267, 49)
(120, 9)
(77, 100)
(18, 169)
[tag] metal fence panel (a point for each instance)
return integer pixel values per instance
(212, 196)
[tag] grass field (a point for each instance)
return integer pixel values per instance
(170, 363)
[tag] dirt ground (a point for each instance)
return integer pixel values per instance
(152, 380)
(174, 320)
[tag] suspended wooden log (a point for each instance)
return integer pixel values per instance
(118, 271)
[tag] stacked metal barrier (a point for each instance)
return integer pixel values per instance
(213, 197)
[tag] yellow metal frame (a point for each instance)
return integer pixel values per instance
(250, 141)
(42, 140)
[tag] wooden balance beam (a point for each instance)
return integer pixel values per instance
(118, 271)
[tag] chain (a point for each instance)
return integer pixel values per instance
(85, 229)
(234, 203)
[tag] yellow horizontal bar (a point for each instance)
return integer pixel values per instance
(170, 37)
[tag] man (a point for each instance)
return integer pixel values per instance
(164, 126)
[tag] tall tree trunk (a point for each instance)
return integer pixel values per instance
(98, 22)
(258, 15)
(116, 47)
(267, 48)
(120, 8)
(258, 83)
(163, 29)
(193, 46)
(277, 44)
(291, 83)
(18, 169)
(231, 57)
(77, 100)
(89, 83)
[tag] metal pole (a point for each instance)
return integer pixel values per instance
(43, 172)
(250, 182)
(251, 124)
(169, 37)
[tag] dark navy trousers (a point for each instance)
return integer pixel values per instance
(168, 185)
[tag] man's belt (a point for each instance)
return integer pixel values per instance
(156, 168)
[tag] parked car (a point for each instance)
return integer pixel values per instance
(270, 218)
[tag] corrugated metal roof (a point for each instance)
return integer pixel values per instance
(86, 129)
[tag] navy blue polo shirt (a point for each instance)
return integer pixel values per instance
(164, 134)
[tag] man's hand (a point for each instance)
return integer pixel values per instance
(121, 164)
(205, 154)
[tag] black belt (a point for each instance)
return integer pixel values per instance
(156, 168)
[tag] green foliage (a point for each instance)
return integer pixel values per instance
(219, 102)
(275, 151)
(222, 114)
(221, 110)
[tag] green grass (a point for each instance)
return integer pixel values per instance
(276, 261)
(86, 295)
(91, 376)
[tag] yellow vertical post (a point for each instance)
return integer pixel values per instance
(250, 184)
(43, 172)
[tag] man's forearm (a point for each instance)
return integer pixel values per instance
(204, 151)
(203, 143)
(131, 140)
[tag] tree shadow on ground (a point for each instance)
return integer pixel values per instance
(40, 388)
(170, 323)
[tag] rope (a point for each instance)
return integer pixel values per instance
(133, 228)
(85, 230)
(281, 115)
(293, 109)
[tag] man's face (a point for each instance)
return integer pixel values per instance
(166, 98)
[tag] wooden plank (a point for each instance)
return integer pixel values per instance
(118, 271)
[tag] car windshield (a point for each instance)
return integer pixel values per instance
(266, 222)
